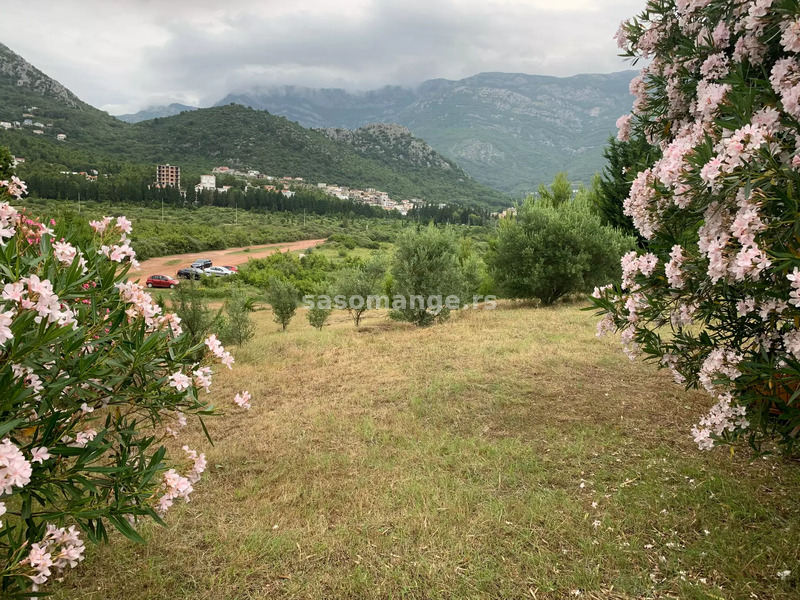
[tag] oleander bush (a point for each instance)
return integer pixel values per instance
(716, 297)
(94, 377)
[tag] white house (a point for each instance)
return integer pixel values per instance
(5, 125)
(28, 122)
(38, 131)
(207, 182)
(61, 137)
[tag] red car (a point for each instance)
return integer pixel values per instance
(231, 268)
(163, 281)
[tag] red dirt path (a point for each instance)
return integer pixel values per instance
(230, 256)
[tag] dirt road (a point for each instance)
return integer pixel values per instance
(169, 265)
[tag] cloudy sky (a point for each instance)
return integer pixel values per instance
(122, 55)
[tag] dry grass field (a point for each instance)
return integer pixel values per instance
(503, 454)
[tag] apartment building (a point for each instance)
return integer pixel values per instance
(168, 175)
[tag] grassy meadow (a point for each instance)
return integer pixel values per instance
(503, 454)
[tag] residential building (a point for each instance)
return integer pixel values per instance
(509, 212)
(207, 182)
(5, 125)
(61, 137)
(28, 122)
(16, 160)
(168, 175)
(38, 131)
(39, 125)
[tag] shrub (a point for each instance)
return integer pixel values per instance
(549, 251)
(717, 296)
(282, 296)
(426, 264)
(93, 378)
(189, 304)
(238, 327)
(358, 283)
(318, 314)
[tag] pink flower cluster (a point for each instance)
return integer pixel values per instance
(728, 261)
(198, 464)
(60, 548)
(123, 225)
(242, 400)
(142, 304)
(633, 264)
(219, 351)
(8, 222)
(16, 188)
(675, 275)
(176, 486)
(719, 364)
(32, 293)
(15, 470)
(724, 416)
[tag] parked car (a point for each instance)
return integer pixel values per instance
(201, 263)
(162, 281)
(233, 268)
(217, 271)
(190, 273)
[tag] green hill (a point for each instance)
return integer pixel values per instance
(198, 140)
(510, 131)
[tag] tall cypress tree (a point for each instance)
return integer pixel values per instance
(624, 161)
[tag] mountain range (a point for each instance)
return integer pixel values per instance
(38, 110)
(510, 131)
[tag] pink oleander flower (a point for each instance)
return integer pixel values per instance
(624, 128)
(39, 455)
(180, 381)
(6, 318)
(790, 40)
(175, 486)
(202, 378)
(83, 438)
(242, 400)
(15, 470)
(124, 225)
(100, 226)
(199, 466)
(65, 253)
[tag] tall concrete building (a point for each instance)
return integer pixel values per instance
(168, 175)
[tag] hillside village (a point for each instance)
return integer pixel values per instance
(169, 175)
(37, 127)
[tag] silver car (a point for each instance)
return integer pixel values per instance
(217, 272)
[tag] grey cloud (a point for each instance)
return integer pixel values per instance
(203, 50)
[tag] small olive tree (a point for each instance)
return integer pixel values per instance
(320, 309)
(549, 251)
(237, 327)
(426, 272)
(282, 296)
(356, 284)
